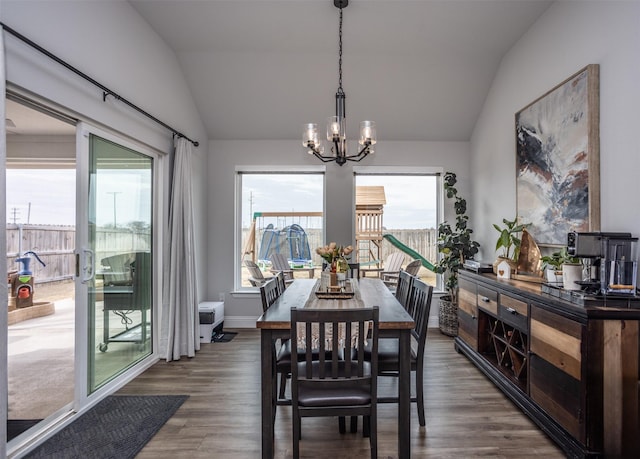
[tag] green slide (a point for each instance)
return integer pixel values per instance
(409, 251)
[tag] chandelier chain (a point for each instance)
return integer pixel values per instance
(340, 90)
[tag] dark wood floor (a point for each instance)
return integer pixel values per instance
(466, 415)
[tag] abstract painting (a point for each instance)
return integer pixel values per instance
(558, 160)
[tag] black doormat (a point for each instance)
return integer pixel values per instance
(223, 337)
(117, 427)
(16, 426)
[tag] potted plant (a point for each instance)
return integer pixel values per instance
(509, 239)
(455, 245)
(564, 268)
(552, 266)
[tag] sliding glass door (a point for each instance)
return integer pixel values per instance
(116, 259)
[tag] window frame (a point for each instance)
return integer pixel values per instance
(238, 209)
(438, 172)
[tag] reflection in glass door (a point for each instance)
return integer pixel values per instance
(120, 246)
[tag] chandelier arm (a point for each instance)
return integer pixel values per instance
(361, 155)
(320, 156)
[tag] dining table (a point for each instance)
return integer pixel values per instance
(275, 323)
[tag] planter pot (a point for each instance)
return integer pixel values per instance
(570, 274)
(448, 316)
(553, 276)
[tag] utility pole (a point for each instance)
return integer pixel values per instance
(114, 193)
(15, 212)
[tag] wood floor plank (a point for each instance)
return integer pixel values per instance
(467, 416)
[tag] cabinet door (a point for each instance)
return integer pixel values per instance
(468, 313)
(556, 368)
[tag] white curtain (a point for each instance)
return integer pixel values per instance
(180, 333)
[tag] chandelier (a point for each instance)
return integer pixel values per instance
(336, 125)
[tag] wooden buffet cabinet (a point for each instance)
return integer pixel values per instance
(573, 369)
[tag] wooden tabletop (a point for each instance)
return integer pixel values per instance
(373, 293)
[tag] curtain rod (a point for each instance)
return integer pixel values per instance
(105, 91)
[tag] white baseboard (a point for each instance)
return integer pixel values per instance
(239, 322)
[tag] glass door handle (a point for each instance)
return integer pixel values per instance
(88, 262)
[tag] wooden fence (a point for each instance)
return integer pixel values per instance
(422, 241)
(55, 245)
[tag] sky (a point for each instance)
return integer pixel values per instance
(48, 197)
(411, 200)
(51, 193)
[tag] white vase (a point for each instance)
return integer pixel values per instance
(570, 274)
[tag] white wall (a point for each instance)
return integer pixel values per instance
(241, 310)
(569, 36)
(111, 43)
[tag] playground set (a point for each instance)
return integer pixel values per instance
(292, 240)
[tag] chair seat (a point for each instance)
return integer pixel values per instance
(318, 393)
(310, 397)
(388, 354)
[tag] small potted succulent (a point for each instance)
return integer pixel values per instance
(562, 267)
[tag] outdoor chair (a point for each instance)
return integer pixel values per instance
(256, 278)
(280, 263)
(413, 268)
(388, 350)
(391, 266)
(333, 386)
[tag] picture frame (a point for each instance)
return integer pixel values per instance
(558, 160)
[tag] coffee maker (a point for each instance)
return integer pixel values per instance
(610, 260)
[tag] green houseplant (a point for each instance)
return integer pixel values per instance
(553, 264)
(455, 245)
(509, 238)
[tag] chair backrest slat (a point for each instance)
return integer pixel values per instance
(269, 293)
(336, 363)
(403, 290)
(420, 307)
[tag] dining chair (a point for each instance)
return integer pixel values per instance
(354, 271)
(403, 290)
(334, 386)
(280, 281)
(419, 306)
(270, 291)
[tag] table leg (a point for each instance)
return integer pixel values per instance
(404, 396)
(268, 403)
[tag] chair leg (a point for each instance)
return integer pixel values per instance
(366, 426)
(341, 424)
(420, 396)
(373, 435)
(354, 424)
(283, 385)
(296, 435)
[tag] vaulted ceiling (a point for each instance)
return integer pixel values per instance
(259, 69)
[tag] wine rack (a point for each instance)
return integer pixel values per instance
(508, 346)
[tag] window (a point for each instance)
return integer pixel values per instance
(409, 219)
(278, 212)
